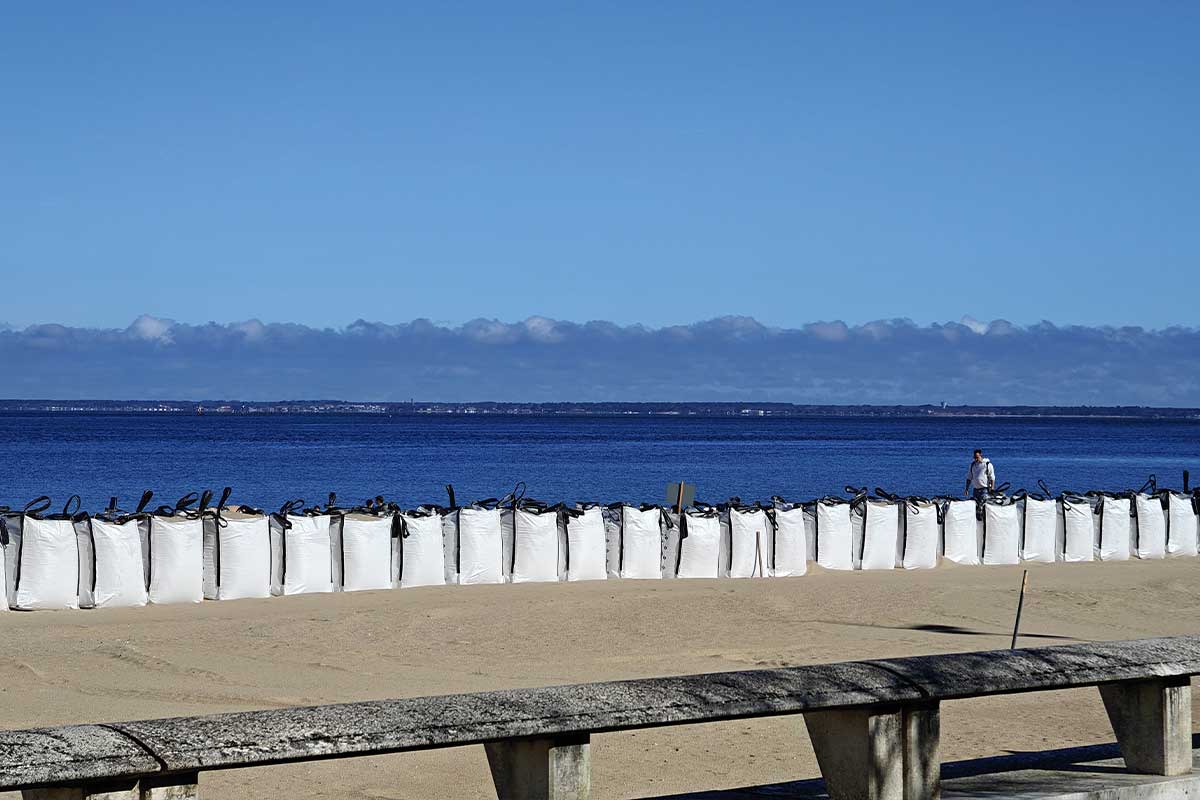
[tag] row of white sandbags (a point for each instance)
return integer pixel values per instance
(915, 534)
(879, 534)
(60, 563)
(94, 562)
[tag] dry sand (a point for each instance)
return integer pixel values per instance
(108, 665)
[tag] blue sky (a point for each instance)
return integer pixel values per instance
(639, 163)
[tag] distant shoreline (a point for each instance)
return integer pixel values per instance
(487, 408)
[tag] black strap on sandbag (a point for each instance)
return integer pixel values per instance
(37, 506)
(458, 541)
(144, 501)
(292, 507)
(92, 538)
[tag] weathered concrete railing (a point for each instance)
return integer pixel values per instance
(874, 724)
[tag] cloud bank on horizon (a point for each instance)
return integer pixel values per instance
(541, 359)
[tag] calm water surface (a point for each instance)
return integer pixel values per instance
(270, 458)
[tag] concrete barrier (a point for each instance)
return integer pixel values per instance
(874, 725)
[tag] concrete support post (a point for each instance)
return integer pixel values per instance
(125, 790)
(542, 769)
(878, 753)
(1153, 723)
(184, 786)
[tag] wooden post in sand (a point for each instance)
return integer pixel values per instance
(1020, 602)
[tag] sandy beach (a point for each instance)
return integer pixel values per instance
(109, 665)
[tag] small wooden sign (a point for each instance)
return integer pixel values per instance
(680, 495)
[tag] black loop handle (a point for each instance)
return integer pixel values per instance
(37, 505)
(185, 502)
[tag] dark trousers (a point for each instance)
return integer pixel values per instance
(980, 494)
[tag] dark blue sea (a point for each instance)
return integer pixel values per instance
(268, 459)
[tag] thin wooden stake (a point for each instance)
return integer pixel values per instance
(758, 553)
(1020, 603)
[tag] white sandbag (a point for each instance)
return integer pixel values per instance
(1152, 527)
(1001, 534)
(423, 556)
(833, 536)
(120, 572)
(699, 546)
(480, 548)
(641, 543)
(921, 531)
(1041, 528)
(1114, 529)
(535, 546)
(790, 552)
(1183, 525)
(238, 560)
(176, 560)
(1080, 544)
(48, 573)
(881, 532)
(366, 552)
(307, 561)
(748, 540)
(963, 532)
(587, 546)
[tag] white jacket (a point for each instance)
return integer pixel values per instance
(981, 475)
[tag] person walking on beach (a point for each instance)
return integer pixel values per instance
(981, 477)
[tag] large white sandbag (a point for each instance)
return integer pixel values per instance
(480, 548)
(748, 540)
(586, 546)
(1183, 526)
(535, 546)
(120, 572)
(1080, 544)
(366, 552)
(641, 543)
(238, 562)
(963, 532)
(1041, 528)
(1114, 529)
(176, 559)
(307, 559)
(699, 545)
(834, 544)
(422, 550)
(1152, 527)
(921, 531)
(881, 534)
(1001, 534)
(790, 553)
(47, 575)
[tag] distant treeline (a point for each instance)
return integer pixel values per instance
(748, 409)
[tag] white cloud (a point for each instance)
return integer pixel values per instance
(152, 329)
